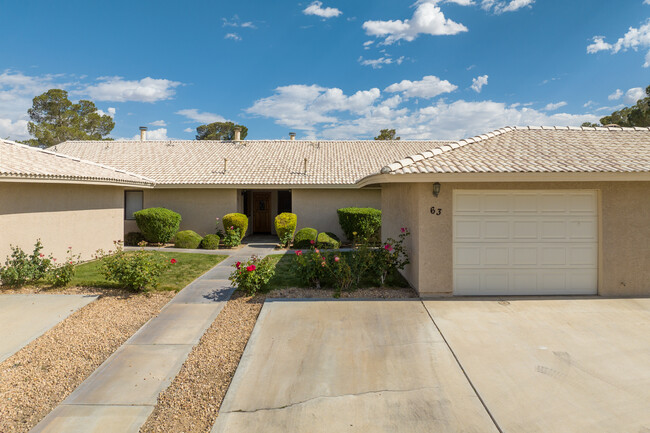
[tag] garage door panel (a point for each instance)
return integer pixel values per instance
(539, 242)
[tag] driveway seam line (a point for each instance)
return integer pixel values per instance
(496, 424)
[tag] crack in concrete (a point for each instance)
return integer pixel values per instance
(328, 397)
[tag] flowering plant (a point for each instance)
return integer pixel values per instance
(232, 237)
(392, 255)
(21, 268)
(253, 275)
(311, 266)
(137, 271)
(61, 274)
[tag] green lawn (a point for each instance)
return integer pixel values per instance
(187, 268)
(286, 274)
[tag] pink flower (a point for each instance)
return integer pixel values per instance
(69, 248)
(387, 247)
(238, 264)
(70, 262)
(312, 242)
(41, 255)
(172, 261)
(403, 229)
(299, 253)
(317, 251)
(54, 260)
(232, 227)
(336, 258)
(251, 268)
(323, 264)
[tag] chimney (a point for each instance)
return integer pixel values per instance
(237, 134)
(292, 136)
(143, 133)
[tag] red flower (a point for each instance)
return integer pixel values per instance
(336, 258)
(70, 262)
(41, 255)
(299, 253)
(251, 268)
(69, 248)
(312, 242)
(172, 261)
(387, 247)
(238, 264)
(403, 229)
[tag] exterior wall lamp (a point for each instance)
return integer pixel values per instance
(436, 189)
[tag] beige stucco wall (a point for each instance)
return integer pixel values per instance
(624, 238)
(84, 217)
(316, 208)
(199, 207)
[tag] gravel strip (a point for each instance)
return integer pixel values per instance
(38, 377)
(191, 403)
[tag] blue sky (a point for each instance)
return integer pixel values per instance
(432, 69)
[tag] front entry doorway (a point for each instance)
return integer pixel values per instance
(261, 212)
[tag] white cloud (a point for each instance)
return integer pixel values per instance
(316, 8)
(202, 117)
(646, 2)
(635, 39)
(236, 22)
(110, 112)
(13, 129)
(463, 2)
(479, 82)
(154, 134)
(427, 19)
(117, 89)
(380, 62)
(633, 95)
(189, 130)
(589, 104)
(429, 87)
(158, 123)
(499, 7)
(554, 106)
(616, 95)
(233, 36)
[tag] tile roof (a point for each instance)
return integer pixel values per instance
(19, 161)
(250, 162)
(537, 150)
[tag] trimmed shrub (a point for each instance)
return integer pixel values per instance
(187, 239)
(285, 227)
(137, 271)
(304, 238)
(132, 239)
(237, 221)
(157, 224)
(328, 241)
(364, 221)
(210, 242)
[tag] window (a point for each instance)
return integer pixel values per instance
(132, 203)
(284, 201)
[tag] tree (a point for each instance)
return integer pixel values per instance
(589, 124)
(55, 119)
(387, 134)
(220, 131)
(636, 115)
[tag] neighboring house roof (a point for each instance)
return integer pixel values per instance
(537, 150)
(250, 162)
(19, 161)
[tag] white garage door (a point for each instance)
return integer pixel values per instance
(525, 242)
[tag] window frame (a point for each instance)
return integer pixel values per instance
(126, 192)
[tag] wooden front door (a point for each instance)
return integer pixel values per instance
(261, 212)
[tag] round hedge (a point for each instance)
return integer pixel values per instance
(328, 241)
(157, 224)
(236, 220)
(285, 224)
(365, 221)
(187, 239)
(210, 242)
(304, 237)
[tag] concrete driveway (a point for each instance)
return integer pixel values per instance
(24, 318)
(555, 365)
(519, 366)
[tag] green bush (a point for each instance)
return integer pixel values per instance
(187, 239)
(231, 238)
(132, 239)
(253, 275)
(364, 221)
(61, 274)
(328, 240)
(138, 270)
(21, 268)
(210, 242)
(157, 224)
(236, 221)
(285, 227)
(304, 238)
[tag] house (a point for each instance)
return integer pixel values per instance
(64, 201)
(204, 180)
(525, 211)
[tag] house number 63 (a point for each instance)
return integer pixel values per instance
(435, 211)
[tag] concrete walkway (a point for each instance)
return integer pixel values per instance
(119, 396)
(24, 318)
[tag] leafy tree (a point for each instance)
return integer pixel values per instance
(589, 124)
(636, 115)
(220, 131)
(387, 134)
(55, 119)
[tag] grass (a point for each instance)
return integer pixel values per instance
(187, 268)
(286, 274)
